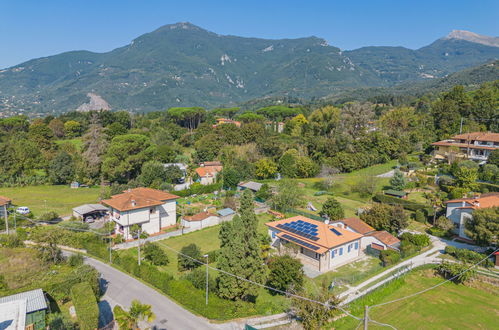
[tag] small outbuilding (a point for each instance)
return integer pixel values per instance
(226, 214)
(251, 185)
(25, 310)
(396, 193)
(200, 220)
(89, 210)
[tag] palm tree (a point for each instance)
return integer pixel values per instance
(138, 312)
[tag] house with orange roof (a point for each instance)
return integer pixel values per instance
(221, 121)
(461, 210)
(207, 172)
(317, 244)
(200, 220)
(150, 209)
(475, 146)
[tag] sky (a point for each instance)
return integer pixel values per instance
(34, 28)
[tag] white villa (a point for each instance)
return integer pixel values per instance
(151, 209)
(461, 210)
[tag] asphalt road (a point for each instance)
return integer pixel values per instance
(121, 289)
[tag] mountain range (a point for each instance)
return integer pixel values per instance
(184, 65)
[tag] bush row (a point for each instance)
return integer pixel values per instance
(466, 255)
(85, 305)
(197, 189)
(408, 205)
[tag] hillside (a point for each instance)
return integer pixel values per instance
(184, 65)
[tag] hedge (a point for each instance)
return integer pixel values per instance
(408, 205)
(488, 187)
(85, 305)
(198, 189)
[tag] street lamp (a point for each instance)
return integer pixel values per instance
(206, 256)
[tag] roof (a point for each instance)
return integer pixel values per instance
(138, 198)
(479, 136)
(385, 237)
(255, 186)
(225, 212)
(13, 315)
(483, 201)
(198, 217)
(326, 237)
(451, 143)
(89, 208)
(208, 170)
(393, 192)
(35, 300)
(356, 224)
(4, 200)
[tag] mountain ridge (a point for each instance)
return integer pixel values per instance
(182, 64)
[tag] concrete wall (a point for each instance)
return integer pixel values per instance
(196, 225)
(458, 217)
(343, 254)
(168, 213)
(207, 180)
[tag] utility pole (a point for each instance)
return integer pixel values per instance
(15, 226)
(139, 248)
(6, 215)
(110, 246)
(366, 317)
(461, 126)
(206, 256)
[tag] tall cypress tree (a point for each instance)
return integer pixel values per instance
(241, 254)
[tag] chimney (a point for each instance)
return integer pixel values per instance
(133, 202)
(326, 221)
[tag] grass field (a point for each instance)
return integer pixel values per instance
(60, 199)
(450, 306)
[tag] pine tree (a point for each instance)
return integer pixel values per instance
(398, 181)
(241, 254)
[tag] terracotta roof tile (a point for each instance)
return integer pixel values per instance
(356, 224)
(327, 238)
(208, 171)
(385, 237)
(479, 136)
(138, 198)
(198, 217)
(4, 200)
(484, 201)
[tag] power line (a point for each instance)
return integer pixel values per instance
(437, 285)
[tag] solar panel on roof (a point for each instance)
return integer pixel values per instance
(296, 240)
(336, 232)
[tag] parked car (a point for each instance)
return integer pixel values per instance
(89, 219)
(23, 210)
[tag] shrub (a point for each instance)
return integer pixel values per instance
(60, 321)
(466, 255)
(456, 271)
(75, 260)
(48, 216)
(10, 241)
(285, 273)
(389, 257)
(198, 279)
(85, 305)
(408, 205)
(419, 240)
(419, 216)
(188, 253)
(61, 290)
(155, 254)
(408, 249)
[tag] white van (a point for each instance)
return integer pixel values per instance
(23, 210)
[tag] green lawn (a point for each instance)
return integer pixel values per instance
(418, 197)
(449, 306)
(60, 199)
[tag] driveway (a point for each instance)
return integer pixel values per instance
(121, 289)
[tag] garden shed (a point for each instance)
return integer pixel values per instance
(32, 304)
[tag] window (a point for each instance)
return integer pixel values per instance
(273, 234)
(332, 253)
(349, 247)
(341, 251)
(152, 210)
(356, 245)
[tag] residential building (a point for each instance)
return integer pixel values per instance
(275, 126)
(461, 210)
(151, 209)
(319, 245)
(5, 203)
(251, 185)
(372, 239)
(25, 310)
(221, 121)
(207, 173)
(475, 146)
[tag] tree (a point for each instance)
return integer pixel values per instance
(355, 118)
(188, 253)
(366, 186)
(155, 254)
(241, 254)
(57, 127)
(466, 178)
(419, 216)
(94, 147)
(494, 157)
(152, 174)
(490, 173)
(130, 319)
(287, 163)
(483, 228)
(324, 121)
(173, 174)
(42, 135)
(265, 168)
(231, 178)
(125, 156)
(385, 217)
(442, 222)
(72, 128)
(264, 193)
(61, 169)
(289, 194)
(313, 315)
(49, 251)
(286, 273)
(397, 181)
(187, 117)
(332, 209)
(115, 129)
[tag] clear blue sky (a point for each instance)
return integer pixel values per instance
(35, 28)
